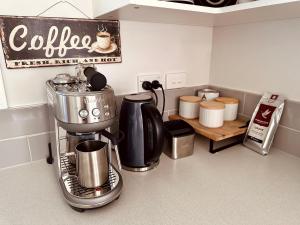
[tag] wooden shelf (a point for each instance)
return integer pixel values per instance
(228, 130)
(174, 13)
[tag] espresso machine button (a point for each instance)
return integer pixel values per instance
(83, 113)
(107, 114)
(96, 112)
(106, 106)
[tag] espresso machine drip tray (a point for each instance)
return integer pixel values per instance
(82, 197)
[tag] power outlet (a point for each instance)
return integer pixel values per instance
(175, 80)
(150, 78)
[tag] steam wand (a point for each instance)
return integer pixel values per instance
(115, 141)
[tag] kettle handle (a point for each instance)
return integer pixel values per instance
(153, 132)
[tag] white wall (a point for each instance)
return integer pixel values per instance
(152, 47)
(146, 48)
(258, 57)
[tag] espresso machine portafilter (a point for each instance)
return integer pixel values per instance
(82, 110)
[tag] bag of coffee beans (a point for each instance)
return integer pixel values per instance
(264, 123)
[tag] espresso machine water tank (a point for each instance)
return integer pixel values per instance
(142, 125)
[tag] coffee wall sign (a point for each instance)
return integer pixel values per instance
(36, 42)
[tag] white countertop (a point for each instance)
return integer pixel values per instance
(236, 186)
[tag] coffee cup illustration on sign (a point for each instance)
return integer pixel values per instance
(105, 42)
(104, 39)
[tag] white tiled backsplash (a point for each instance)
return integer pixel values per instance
(24, 133)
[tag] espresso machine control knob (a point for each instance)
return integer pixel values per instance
(83, 113)
(96, 112)
(107, 114)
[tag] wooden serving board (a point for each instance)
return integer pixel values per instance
(228, 130)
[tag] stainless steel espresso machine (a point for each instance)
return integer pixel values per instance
(82, 108)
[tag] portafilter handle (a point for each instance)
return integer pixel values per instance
(95, 79)
(115, 141)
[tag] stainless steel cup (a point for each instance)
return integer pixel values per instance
(73, 140)
(92, 163)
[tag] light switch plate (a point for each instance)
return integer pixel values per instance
(175, 80)
(149, 77)
(3, 102)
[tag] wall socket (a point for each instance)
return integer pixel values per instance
(175, 80)
(148, 77)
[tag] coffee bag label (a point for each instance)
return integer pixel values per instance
(264, 115)
(257, 133)
(261, 123)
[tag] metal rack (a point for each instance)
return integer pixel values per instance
(72, 185)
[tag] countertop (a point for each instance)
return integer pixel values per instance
(236, 186)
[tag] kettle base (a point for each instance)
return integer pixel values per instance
(141, 169)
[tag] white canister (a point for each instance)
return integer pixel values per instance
(231, 107)
(189, 107)
(211, 114)
(207, 94)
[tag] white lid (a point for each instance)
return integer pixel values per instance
(212, 105)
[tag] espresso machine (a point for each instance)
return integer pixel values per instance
(82, 108)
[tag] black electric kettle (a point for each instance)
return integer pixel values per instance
(142, 125)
